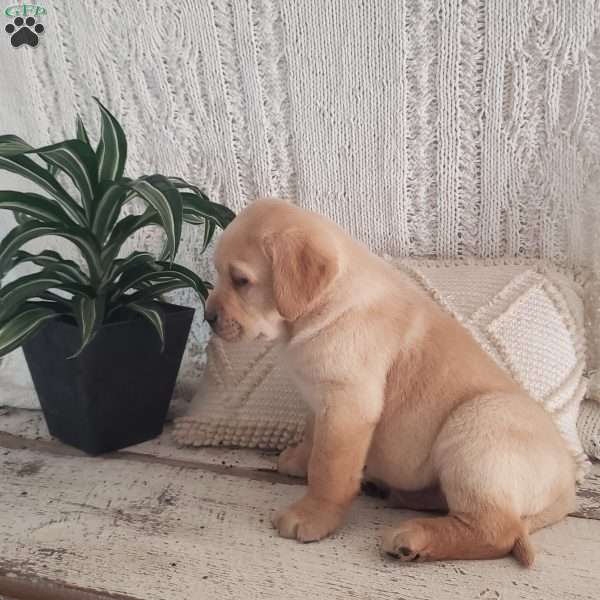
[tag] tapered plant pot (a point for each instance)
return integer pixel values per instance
(117, 391)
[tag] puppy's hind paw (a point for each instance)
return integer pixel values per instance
(293, 462)
(406, 543)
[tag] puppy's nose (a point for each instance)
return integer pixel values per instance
(211, 316)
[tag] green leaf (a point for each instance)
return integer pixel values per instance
(29, 286)
(152, 312)
(88, 246)
(112, 148)
(209, 232)
(17, 237)
(123, 230)
(89, 313)
(162, 285)
(49, 258)
(192, 217)
(21, 219)
(49, 300)
(52, 170)
(127, 265)
(201, 287)
(196, 204)
(81, 133)
(45, 257)
(107, 209)
(199, 206)
(11, 145)
(64, 305)
(24, 166)
(77, 160)
(164, 198)
(182, 184)
(17, 292)
(22, 234)
(33, 205)
(148, 277)
(17, 330)
(135, 276)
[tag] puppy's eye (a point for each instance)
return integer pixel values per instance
(239, 281)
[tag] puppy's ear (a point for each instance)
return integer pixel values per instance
(304, 265)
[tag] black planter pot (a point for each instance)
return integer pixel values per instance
(117, 391)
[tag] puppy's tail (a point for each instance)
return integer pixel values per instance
(523, 551)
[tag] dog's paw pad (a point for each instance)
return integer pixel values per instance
(404, 554)
(407, 543)
(24, 31)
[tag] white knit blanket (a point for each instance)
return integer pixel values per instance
(429, 128)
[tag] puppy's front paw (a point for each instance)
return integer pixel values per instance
(308, 520)
(293, 461)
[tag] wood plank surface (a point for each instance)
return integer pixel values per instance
(149, 530)
(30, 587)
(30, 427)
(30, 424)
(158, 521)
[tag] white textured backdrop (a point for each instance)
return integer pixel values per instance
(425, 127)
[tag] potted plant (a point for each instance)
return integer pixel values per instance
(102, 348)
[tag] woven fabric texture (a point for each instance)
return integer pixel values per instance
(440, 128)
(527, 315)
(588, 425)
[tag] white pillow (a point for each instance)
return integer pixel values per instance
(527, 314)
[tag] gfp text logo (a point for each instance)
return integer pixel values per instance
(24, 10)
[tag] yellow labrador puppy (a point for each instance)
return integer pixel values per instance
(399, 392)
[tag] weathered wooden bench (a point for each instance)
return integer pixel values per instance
(161, 522)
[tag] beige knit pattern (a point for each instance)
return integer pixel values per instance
(526, 314)
(588, 425)
(446, 128)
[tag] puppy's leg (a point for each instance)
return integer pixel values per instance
(504, 471)
(340, 446)
(294, 460)
(487, 534)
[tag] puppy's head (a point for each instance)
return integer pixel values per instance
(273, 262)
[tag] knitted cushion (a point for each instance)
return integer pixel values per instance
(588, 425)
(527, 315)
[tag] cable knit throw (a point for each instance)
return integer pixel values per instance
(440, 128)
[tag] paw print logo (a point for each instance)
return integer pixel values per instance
(24, 31)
